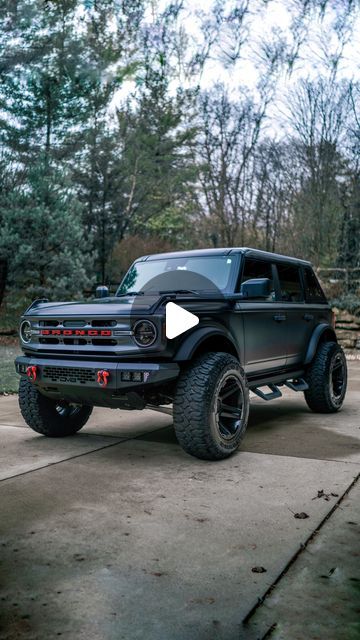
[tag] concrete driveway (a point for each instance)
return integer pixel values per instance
(116, 533)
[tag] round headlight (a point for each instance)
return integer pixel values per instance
(25, 331)
(144, 333)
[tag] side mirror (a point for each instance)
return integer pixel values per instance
(102, 292)
(256, 288)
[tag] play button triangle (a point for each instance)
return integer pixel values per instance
(178, 320)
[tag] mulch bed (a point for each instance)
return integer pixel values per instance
(9, 340)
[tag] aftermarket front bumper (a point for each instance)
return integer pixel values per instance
(95, 382)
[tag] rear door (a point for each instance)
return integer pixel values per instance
(300, 321)
(265, 344)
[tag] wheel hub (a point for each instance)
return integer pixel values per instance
(229, 406)
(337, 377)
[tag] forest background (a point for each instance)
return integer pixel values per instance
(141, 126)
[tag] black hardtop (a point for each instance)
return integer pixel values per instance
(225, 251)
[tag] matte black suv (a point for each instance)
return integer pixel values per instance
(264, 322)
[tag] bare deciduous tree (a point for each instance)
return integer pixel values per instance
(319, 114)
(229, 135)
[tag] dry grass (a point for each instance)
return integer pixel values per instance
(9, 379)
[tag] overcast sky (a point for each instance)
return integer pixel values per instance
(274, 18)
(267, 22)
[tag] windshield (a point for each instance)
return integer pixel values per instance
(198, 273)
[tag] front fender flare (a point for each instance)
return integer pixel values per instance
(315, 339)
(197, 337)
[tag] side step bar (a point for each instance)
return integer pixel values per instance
(274, 392)
(298, 384)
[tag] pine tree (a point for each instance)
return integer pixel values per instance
(156, 172)
(111, 56)
(42, 238)
(41, 103)
(40, 93)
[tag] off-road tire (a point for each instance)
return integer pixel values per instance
(44, 416)
(326, 393)
(196, 418)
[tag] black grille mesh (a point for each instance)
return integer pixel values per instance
(68, 374)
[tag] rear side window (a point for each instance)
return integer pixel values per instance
(290, 283)
(259, 269)
(313, 291)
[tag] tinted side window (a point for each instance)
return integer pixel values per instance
(259, 269)
(290, 283)
(313, 290)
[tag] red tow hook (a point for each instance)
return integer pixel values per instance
(31, 373)
(102, 377)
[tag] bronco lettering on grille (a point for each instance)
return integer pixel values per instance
(76, 332)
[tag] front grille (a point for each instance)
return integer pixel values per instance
(74, 324)
(49, 323)
(77, 335)
(103, 324)
(68, 374)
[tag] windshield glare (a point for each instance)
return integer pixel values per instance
(207, 273)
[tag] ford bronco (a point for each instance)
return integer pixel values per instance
(263, 323)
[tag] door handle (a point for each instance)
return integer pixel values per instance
(279, 317)
(308, 317)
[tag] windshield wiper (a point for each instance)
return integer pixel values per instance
(154, 293)
(195, 293)
(130, 293)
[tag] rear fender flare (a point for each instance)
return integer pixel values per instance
(316, 337)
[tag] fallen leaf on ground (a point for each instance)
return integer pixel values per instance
(321, 494)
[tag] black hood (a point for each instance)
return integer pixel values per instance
(104, 307)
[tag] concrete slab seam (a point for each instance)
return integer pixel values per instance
(302, 548)
(51, 464)
(78, 455)
(96, 435)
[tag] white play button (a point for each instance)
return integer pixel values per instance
(178, 320)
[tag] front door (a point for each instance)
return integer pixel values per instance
(264, 324)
